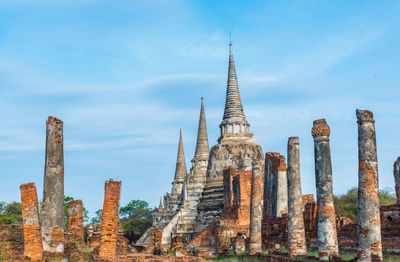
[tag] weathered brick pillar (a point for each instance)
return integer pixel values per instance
(109, 220)
(53, 189)
(75, 220)
(256, 208)
(275, 185)
(30, 219)
(396, 174)
(327, 237)
(296, 234)
(369, 225)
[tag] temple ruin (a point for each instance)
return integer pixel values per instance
(232, 201)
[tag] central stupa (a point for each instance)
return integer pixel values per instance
(236, 148)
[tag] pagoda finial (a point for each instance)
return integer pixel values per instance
(202, 149)
(160, 206)
(233, 106)
(180, 170)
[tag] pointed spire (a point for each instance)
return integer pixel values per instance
(233, 106)
(202, 149)
(180, 171)
(160, 206)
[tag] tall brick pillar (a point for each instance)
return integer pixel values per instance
(327, 237)
(275, 179)
(256, 208)
(31, 225)
(369, 225)
(296, 234)
(109, 220)
(53, 189)
(75, 220)
(396, 174)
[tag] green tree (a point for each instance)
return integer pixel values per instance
(347, 204)
(96, 219)
(136, 218)
(10, 213)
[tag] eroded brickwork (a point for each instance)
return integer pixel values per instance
(31, 224)
(275, 181)
(369, 224)
(236, 213)
(156, 240)
(296, 233)
(11, 242)
(75, 220)
(327, 236)
(53, 189)
(109, 220)
(396, 174)
(256, 207)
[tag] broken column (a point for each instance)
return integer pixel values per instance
(53, 189)
(296, 234)
(275, 184)
(396, 174)
(31, 224)
(75, 220)
(368, 226)
(256, 209)
(109, 220)
(327, 237)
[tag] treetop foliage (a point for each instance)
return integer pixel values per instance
(347, 204)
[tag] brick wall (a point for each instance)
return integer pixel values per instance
(31, 224)
(11, 241)
(109, 220)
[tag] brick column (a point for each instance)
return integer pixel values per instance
(53, 189)
(256, 208)
(75, 220)
(275, 179)
(396, 174)
(31, 225)
(109, 220)
(296, 234)
(327, 237)
(369, 225)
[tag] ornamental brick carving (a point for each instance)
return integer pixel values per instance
(320, 128)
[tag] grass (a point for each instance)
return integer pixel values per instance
(85, 250)
(234, 259)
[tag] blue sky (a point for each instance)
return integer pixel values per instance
(124, 76)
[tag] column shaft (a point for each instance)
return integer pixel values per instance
(31, 225)
(296, 233)
(110, 220)
(256, 209)
(369, 225)
(327, 237)
(53, 189)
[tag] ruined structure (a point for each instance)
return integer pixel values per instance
(31, 224)
(327, 238)
(53, 189)
(396, 174)
(275, 185)
(194, 182)
(172, 201)
(75, 220)
(256, 208)
(296, 233)
(369, 224)
(110, 220)
(235, 217)
(236, 148)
